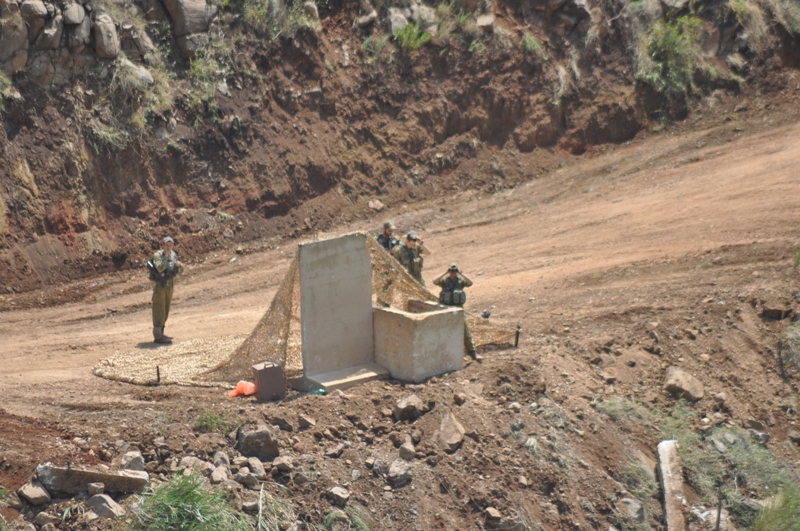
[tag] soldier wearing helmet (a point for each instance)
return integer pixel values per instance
(453, 281)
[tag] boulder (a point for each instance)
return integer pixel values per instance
(71, 480)
(50, 37)
(423, 15)
(311, 11)
(106, 39)
(282, 423)
(339, 496)
(366, 20)
(104, 506)
(35, 493)
(260, 442)
(246, 478)
(397, 20)
(95, 488)
(81, 34)
(44, 518)
(485, 22)
(136, 76)
(132, 460)
(794, 436)
(683, 385)
(74, 14)
(451, 433)
(41, 68)
(190, 16)
(189, 45)
(399, 473)
(33, 9)
(13, 37)
(408, 408)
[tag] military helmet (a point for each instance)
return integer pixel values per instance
(453, 267)
(389, 225)
(412, 235)
(168, 240)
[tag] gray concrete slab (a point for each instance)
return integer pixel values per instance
(670, 472)
(336, 304)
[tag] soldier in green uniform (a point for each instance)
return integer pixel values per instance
(386, 238)
(410, 255)
(167, 266)
(453, 282)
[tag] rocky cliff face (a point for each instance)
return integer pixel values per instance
(124, 120)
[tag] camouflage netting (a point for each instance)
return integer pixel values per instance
(277, 336)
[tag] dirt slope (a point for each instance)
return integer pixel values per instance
(691, 230)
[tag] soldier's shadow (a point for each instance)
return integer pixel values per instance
(149, 345)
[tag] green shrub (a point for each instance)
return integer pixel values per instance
(532, 45)
(208, 421)
(184, 504)
(477, 47)
(275, 512)
(791, 354)
(373, 46)
(669, 53)
(106, 137)
(205, 73)
(412, 37)
(624, 410)
(783, 514)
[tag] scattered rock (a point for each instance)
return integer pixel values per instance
(246, 478)
(523, 481)
(260, 442)
(396, 20)
(451, 433)
(250, 506)
(220, 474)
(367, 19)
(282, 423)
(407, 451)
(74, 14)
(460, 398)
(376, 205)
(283, 463)
(335, 452)
(760, 436)
(339, 496)
(794, 436)
(492, 514)
(132, 460)
(409, 408)
(35, 493)
(197, 465)
(63, 480)
(44, 518)
(631, 509)
(221, 458)
(95, 488)
(306, 422)
(189, 45)
(106, 39)
(683, 385)
(751, 424)
(399, 473)
(257, 468)
(515, 407)
(104, 506)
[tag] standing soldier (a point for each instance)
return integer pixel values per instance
(410, 255)
(453, 282)
(388, 240)
(163, 268)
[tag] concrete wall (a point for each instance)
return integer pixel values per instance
(336, 304)
(416, 346)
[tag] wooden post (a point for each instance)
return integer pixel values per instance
(516, 338)
(158, 375)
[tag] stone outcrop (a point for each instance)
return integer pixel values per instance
(261, 442)
(68, 480)
(106, 38)
(683, 385)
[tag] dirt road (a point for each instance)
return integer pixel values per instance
(649, 202)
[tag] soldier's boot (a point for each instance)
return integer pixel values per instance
(165, 336)
(159, 337)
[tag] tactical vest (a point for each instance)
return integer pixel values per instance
(453, 293)
(412, 260)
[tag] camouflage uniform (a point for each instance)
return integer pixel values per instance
(453, 284)
(388, 242)
(412, 260)
(162, 292)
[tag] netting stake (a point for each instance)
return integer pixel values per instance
(158, 375)
(516, 338)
